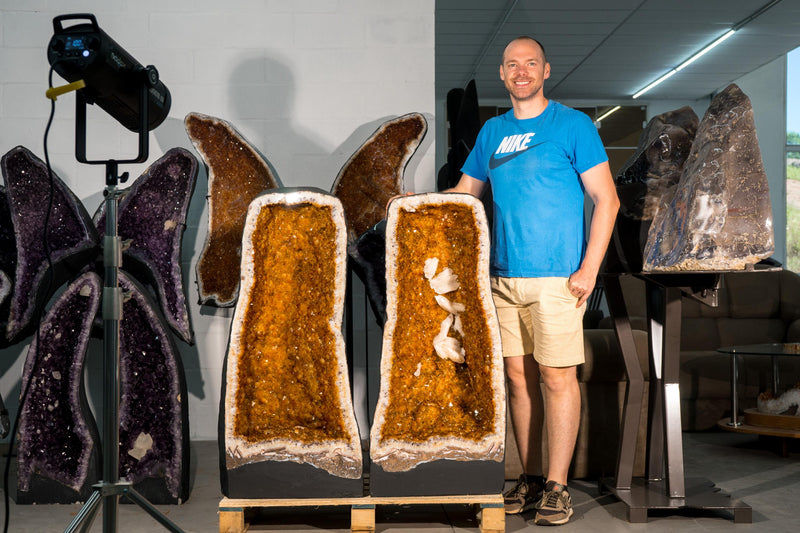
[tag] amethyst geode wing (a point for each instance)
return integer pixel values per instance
(153, 410)
(71, 238)
(720, 217)
(236, 175)
(59, 455)
(152, 218)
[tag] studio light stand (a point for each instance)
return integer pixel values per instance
(108, 491)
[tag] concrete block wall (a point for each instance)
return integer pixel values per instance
(305, 82)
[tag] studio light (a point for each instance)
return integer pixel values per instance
(113, 79)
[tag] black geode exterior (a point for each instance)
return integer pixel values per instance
(152, 217)
(153, 401)
(71, 237)
(368, 256)
(8, 261)
(59, 456)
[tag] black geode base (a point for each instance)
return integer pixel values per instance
(285, 479)
(43, 490)
(439, 478)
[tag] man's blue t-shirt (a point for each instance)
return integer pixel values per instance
(533, 166)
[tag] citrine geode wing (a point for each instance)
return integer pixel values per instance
(374, 173)
(236, 175)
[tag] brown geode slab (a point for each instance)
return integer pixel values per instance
(59, 446)
(720, 217)
(374, 173)
(71, 237)
(151, 219)
(429, 407)
(286, 394)
(236, 174)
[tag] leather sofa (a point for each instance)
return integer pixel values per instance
(753, 307)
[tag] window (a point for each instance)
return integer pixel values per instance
(793, 160)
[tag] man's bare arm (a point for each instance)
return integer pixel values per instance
(601, 189)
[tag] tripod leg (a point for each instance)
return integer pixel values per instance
(86, 515)
(142, 502)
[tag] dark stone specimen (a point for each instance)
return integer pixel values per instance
(8, 261)
(71, 237)
(463, 116)
(59, 455)
(153, 410)
(720, 217)
(368, 255)
(152, 217)
(646, 181)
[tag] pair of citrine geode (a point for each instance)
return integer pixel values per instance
(288, 393)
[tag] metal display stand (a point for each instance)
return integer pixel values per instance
(108, 491)
(664, 485)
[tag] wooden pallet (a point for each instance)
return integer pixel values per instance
(491, 515)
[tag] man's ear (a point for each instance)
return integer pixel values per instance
(546, 70)
(502, 74)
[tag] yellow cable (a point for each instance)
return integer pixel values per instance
(54, 92)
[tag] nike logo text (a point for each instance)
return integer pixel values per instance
(512, 146)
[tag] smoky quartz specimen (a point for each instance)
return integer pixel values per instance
(720, 217)
(647, 181)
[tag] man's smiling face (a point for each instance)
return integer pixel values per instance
(524, 69)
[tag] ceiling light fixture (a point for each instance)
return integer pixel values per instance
(706, 48)
(608, 113)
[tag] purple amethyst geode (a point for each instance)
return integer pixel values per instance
(153, 411)
(59, 457)
(152, 217)
(71, 238)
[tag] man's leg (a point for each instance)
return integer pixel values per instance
(562, 413)
(527, 411)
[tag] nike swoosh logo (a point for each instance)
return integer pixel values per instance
(495, 162)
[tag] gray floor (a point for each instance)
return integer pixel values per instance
(743, 466)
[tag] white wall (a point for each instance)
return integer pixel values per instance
(305, 82)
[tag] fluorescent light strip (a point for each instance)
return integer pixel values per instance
(686, 63)
(608, 113)
(703, 52)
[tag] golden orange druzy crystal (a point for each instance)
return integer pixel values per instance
(289, 396)
(236, 175)
(431, 407)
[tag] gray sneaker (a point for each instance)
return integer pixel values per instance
(555, 507)
(523, 496)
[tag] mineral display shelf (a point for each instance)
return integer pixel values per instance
(664, 485)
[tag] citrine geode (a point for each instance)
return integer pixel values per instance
(286, 394)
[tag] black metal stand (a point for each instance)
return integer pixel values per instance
(108, 491)
(664, 485)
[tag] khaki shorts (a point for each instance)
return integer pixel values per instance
(538, 316)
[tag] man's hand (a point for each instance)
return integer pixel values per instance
(581, 284)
